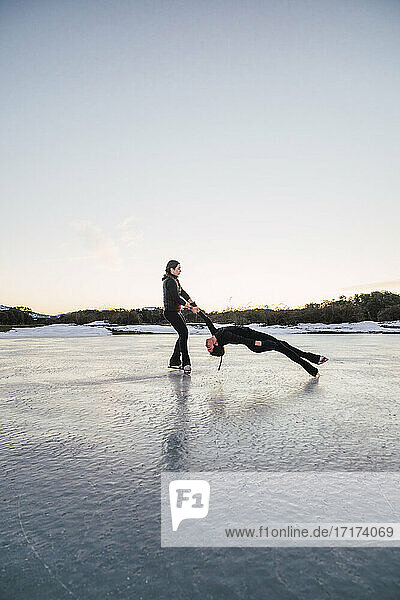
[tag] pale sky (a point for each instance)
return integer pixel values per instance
(256, 142)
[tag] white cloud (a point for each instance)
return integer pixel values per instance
(125, 223)
(102, 247)
(131, 239)
(380, 285)
(108, 249)
(129, 235)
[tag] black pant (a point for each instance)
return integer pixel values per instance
(298, 356)
(181, 347)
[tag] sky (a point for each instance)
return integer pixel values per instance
(256, 142)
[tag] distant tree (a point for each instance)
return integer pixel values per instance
(378, 305)
(375, 302)
(391, 313)
(16, 316)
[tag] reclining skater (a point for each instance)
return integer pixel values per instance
(257, 341)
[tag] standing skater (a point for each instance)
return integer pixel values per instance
(174, 298)
(256, 341)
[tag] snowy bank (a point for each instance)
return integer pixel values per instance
(103, 328)
(54, 331)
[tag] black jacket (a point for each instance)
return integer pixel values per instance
(235, 334)
(174, 295)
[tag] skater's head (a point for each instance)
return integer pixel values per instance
(218, 351)
(173, 268)
(213, 347)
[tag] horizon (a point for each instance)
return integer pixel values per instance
(226, 309)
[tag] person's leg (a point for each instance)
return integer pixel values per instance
(183, 339)
(314, 358)
(175, 359)
(269, 343)
(179, 325)
(293, 354)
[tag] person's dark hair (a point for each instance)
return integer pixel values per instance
(171, 264)
(218, 351)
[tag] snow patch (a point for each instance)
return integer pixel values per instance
(54, 331)
(97, 328)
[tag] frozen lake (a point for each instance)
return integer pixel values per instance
(88, 424)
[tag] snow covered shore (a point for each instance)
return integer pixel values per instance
(99, 328)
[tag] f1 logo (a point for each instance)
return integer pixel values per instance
(189, 499)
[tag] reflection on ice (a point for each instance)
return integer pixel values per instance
(89, 424)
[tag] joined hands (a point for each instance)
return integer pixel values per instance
(189, 305)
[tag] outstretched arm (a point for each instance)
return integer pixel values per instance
(208, 322)
(187, 298)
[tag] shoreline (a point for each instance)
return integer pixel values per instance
(103, 328)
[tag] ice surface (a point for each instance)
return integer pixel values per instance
(89, 424)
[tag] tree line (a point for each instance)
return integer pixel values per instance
(374, 306)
